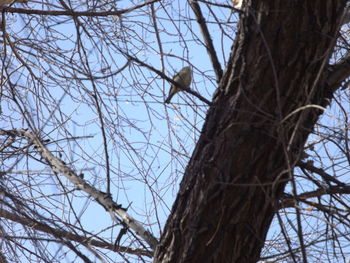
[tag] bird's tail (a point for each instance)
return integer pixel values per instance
(167, 101)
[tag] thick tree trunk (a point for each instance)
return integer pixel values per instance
(248, 145)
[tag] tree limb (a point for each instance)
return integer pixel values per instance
(63, 234)
(71, 12)
(207, 39)
(346, 16)
(327, 177)
(339, 72)
(289, 201)
(102, 198)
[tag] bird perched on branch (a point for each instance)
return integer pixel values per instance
(183, 78)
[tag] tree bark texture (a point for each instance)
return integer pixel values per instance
(254, 133)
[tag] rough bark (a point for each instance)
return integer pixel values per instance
(251, 140)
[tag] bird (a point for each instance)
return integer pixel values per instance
(183, 78)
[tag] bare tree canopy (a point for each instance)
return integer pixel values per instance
(249, 162)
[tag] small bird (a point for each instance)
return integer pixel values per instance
(184, 78)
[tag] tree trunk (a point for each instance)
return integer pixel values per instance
(249, 144)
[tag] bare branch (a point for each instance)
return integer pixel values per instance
(66, 235)
(74, 13)
(207, 39)
(327, 177)
(289, 201)
(102, 198)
